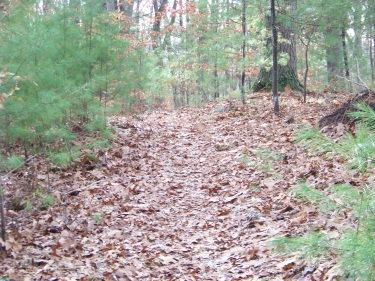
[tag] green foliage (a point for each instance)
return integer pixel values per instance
(98, 217)
(47, 202)
(8, 164)
(46, 199)
(365, 113)
(311, 245)
(355, 248)
(62, 159)
(313, 139)
(59, 75)
(359, 149)
(244, 159)
(317, 197)
(27, 206)
(267, 154)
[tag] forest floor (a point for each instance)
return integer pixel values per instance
(191, 194)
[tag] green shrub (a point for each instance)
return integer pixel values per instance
(354, 244)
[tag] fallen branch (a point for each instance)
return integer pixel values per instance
(78, 190)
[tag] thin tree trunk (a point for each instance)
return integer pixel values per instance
(334, 56)
(2, 213)
(345, 52)
(276, 107)
(307, 44)
(243, 76)
(216, 81)
(346, 60)
(156, 27)
(372, 60)
(167, 39)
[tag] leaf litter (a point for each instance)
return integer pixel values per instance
(191, 194)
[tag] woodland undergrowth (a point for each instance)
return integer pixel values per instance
(353, 244)
(197, 193)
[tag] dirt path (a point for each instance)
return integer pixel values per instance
(194, 194)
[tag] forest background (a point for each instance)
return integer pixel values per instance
(67, 65)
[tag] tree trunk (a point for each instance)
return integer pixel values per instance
(167, 39)
(275, 94)
(126, 7)
(334, 56)
(243, 75)
(110, 5)
(287, 74)
(156, 27)
(345, 53)
(372, 47)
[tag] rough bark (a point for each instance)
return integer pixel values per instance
(287, 75)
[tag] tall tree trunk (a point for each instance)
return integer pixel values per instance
(214, 15)
(287, 74)
(358, 46)
(373, 61)
(372, 48)
(156, 27)
(167, 39)
(345, 53)
(110, 5)
(243, 75)
(275, 94)
(126, 7)
(346, 60)
(334, 56)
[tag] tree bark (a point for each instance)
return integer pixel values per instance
(372, 47)
(243, 75)
(345, 53)
(156, 27)
(126, 8)
(167, 39)
(287, 74)
(334, 56)
(110, 5)
(275, 94)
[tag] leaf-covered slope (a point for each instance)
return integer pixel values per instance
(193, 194)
